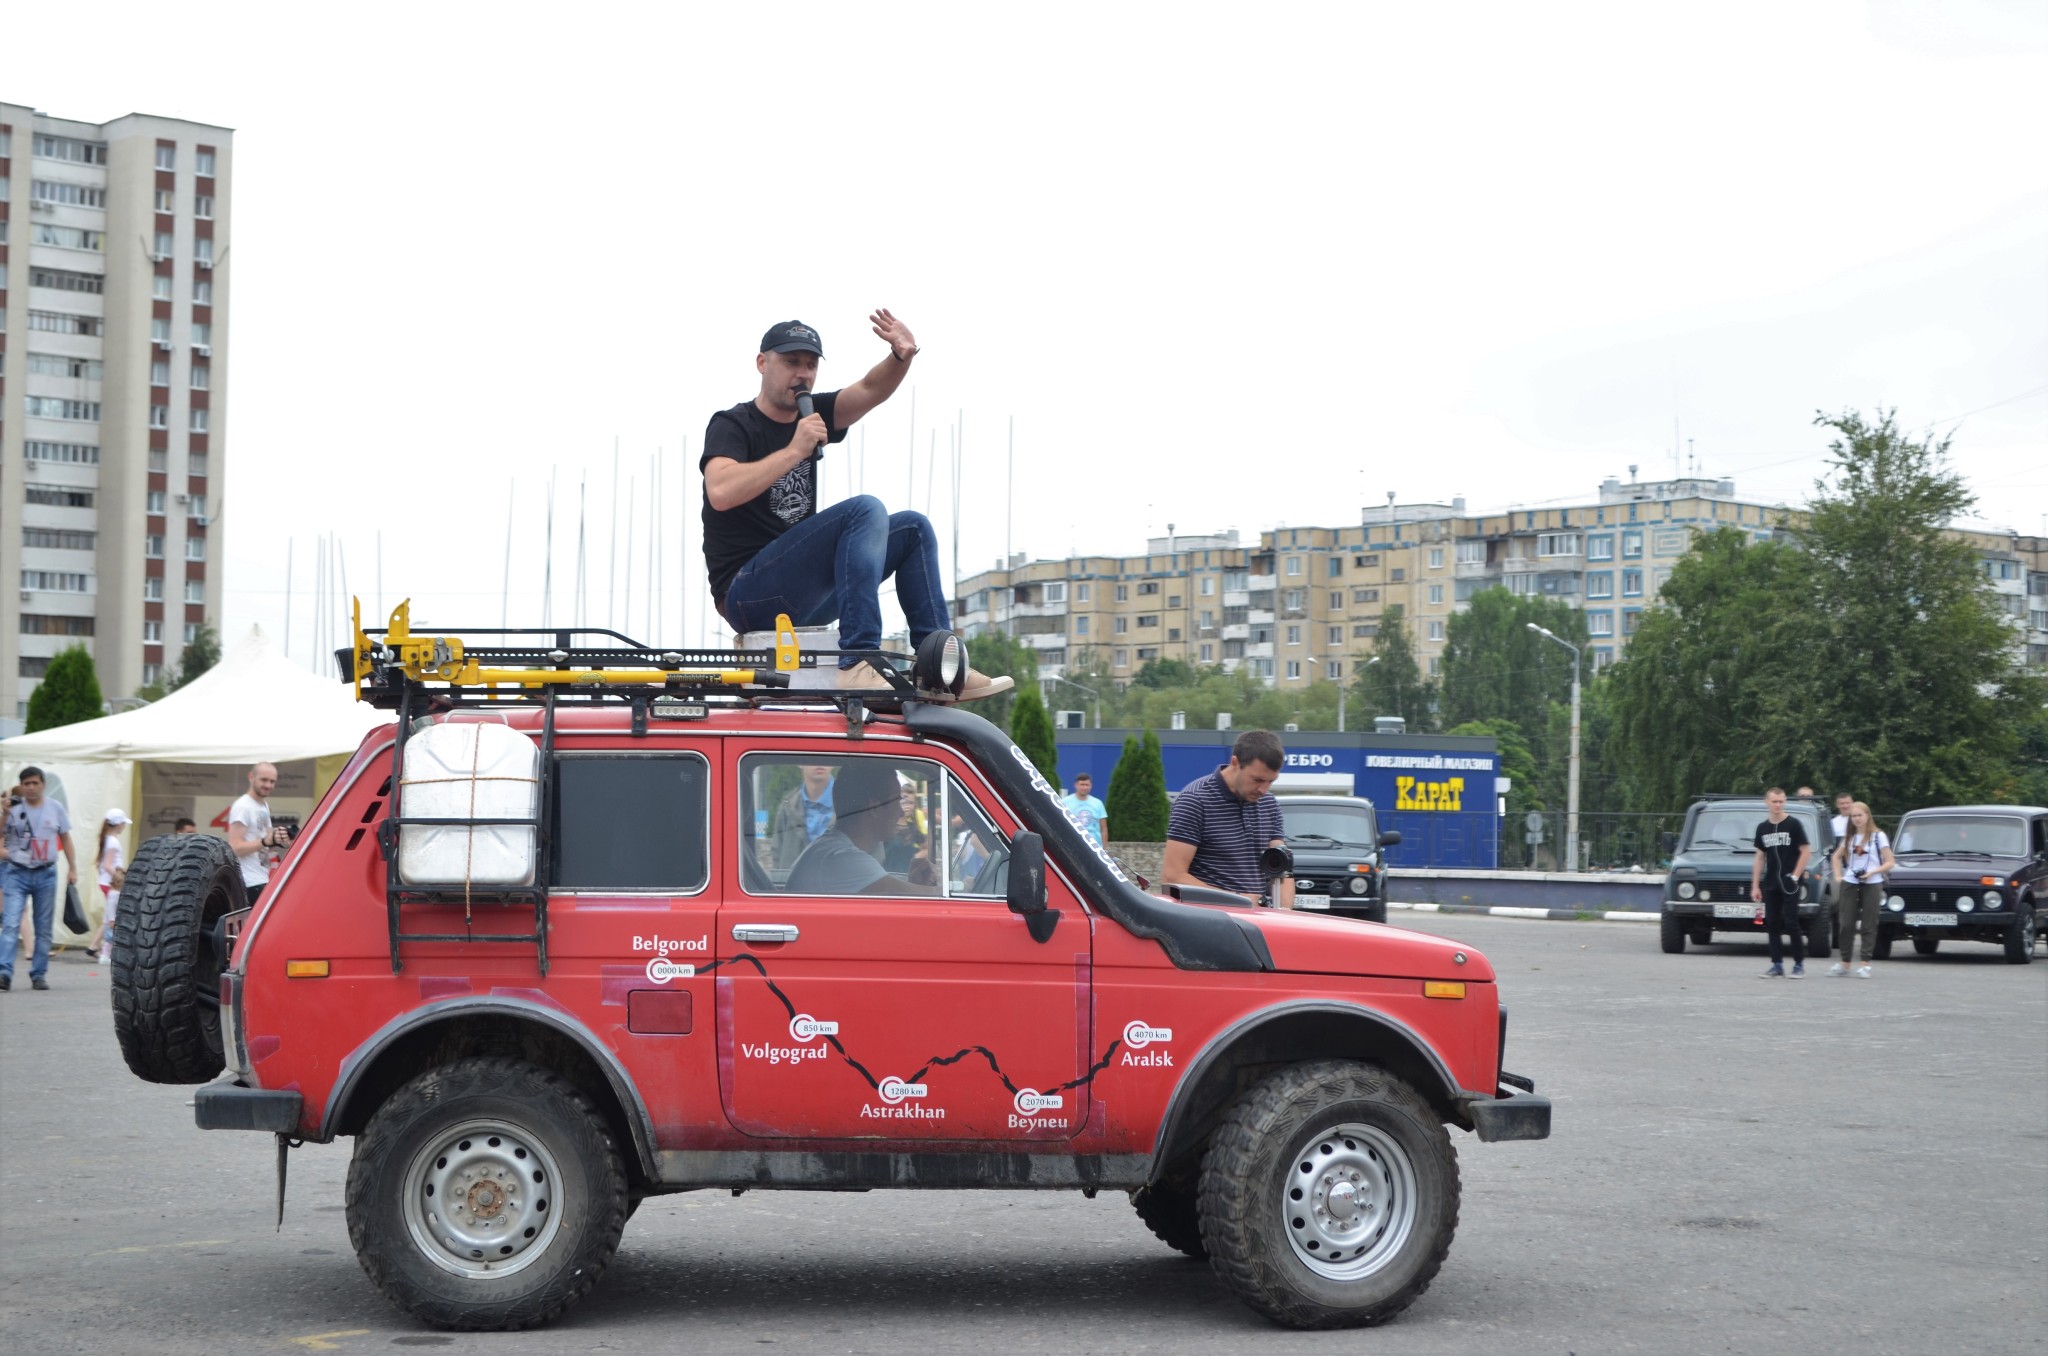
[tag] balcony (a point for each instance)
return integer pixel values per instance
(1476, 569)
(1257, 617)
(1262, 650)
(1051, 640)
(1237, 631)
(1038, 609)
(1264, 583)
(1237, 598)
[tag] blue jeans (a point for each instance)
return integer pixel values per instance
(21, 884)
(831, 566)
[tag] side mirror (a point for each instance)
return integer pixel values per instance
(1025, 888)
(1391, 838)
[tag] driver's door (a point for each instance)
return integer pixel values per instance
(917, 1007)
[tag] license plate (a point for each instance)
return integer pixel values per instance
(1930, 920)
(1311, 901)
(1735, 910)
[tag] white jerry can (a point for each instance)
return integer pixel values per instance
(468, 771)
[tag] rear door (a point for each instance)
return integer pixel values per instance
(878, 987)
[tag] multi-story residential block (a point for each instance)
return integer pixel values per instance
(1306, 603)
(114, 283)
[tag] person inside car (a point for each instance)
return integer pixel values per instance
(845, 859)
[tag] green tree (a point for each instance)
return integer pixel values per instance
(998, 655)
(1031, 727)
(1495, 667)
(69, 693)
(1136, 800)
(1518, 764)
(200, 654)
(1394, 686)
(1165, 673)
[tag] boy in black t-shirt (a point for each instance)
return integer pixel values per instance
(1782, 851)
(768, 548)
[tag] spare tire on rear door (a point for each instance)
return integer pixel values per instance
(167, 956)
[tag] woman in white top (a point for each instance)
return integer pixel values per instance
(113, 872)
(1863, 856)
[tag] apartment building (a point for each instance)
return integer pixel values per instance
(114, 290)
(1306, 602)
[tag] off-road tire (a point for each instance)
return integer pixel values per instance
(1881, 944)
(1170, 1211)
(1819, 941)
(2019, 937)
(1310, 1129)
(166, 972)
(1925, 946)
(549, 1175)
(1671, 934)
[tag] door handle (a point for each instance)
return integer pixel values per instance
(764, 932)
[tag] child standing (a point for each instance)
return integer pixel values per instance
(113, 872)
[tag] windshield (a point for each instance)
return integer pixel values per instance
(2001, 834)
(1347, 825)
(1734, 826)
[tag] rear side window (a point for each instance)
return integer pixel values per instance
(631, 823)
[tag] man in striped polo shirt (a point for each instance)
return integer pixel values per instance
(1222, 822)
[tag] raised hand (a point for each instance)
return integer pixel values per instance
(893, 332)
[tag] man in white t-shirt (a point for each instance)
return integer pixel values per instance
(1840, 823)
(250, 832)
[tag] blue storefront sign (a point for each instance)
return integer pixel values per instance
(1438, 790)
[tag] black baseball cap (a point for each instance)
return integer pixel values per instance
(792, 336)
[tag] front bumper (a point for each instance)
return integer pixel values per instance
(1698, 908)
(230, 1105)
(1509, 1114)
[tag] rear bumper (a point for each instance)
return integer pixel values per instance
(232, 1106)
(1509, 1114)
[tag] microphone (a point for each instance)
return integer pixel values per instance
(805, 408)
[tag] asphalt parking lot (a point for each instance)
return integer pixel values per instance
(1738, 1165)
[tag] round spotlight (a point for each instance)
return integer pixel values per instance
(1992, 899)
(1359, 885)
(941, 663)
(1897, 903)
(1965, 904)
(1686, 890)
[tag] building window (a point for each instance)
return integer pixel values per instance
(1147, 619)
(50, 407)
(1336, 567)
(1121, 658)
(152, 674)
(157, 459)
(1208, 586)
(152, 633)
(68, 195)
(1631, 545)
(153, 502)
(1293, 669)
(195, 590)
(1120, 625)
(76, 454)
(1081, 625)
(1148, 588)
(167, 157)
(1208, 654)
(195, 548)
(202, 250)
(1081, 593)
(1336, 635)
(1436, 666)
(1436, 593)
(191, 632)
(1631, 583)
(1436, 630)
(202, 334)
(70, 237)
(1599, 623)
(153, 589)
(1600, 584)
(1365, 595)
(1294, 565)
(202, 292)
(1055, 593)
(1601, 547)
(153, 546)
(1521, 585)
(159, 373)
(1334, 670)
(1366, 562)
(202, 164)
(1294, 600)
(166, 245)
(198, 420)
(166, 201)
(160, 331)
(159, 416)
(1123, 593)
(1628, 621)
(59, 365)
(1436, 557)
(1294, 635)
(202, 206)
(1471, 553)
(1557, 544)
(59, 496)
(63, 322)
(67, 280)
(56, 581)
(1400, 575)
(64, 148)
(57, 538)
(160, 286)
(1365, 630)
(195, 464)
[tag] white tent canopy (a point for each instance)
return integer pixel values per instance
(253, 706)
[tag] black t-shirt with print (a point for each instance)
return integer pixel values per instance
(734, 536)
(1780, 844)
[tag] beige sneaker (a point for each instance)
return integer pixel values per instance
(979, 685)
(860, 678)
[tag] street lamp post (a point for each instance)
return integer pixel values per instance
(1061, 678)
(1571, 818)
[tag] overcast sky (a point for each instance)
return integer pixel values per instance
(1223, 268)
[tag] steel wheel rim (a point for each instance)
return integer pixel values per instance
(1349, 1201)
(479, 1199)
